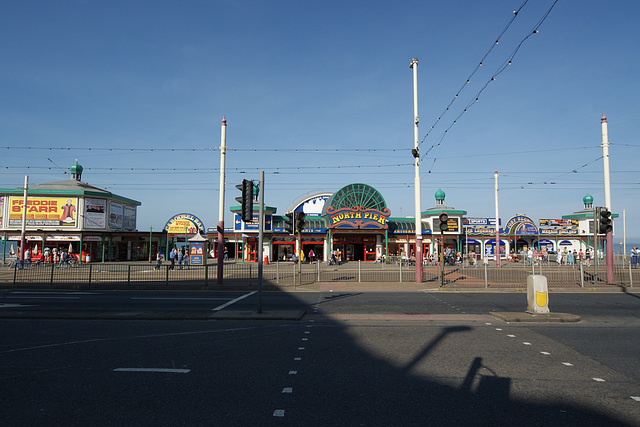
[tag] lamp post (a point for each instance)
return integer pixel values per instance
(416, 163)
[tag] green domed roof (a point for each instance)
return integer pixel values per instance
(75, 168)
(588, 199)
(440, 194)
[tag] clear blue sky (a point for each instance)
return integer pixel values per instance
(97, 77)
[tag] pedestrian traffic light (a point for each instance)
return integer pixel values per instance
(289, 224)
(300, 216)
(605, 226)
(246, 200)
(444, 219)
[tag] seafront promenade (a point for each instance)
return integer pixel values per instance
(292, 276)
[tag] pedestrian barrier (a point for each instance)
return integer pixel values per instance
(288, 274)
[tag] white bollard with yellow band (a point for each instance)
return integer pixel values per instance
(537, 294)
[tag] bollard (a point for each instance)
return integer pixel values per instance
(537, 294)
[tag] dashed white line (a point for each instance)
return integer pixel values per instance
(511, 336)
(636, 398)
(526, 343)
(297, 358)
(287, 390)
(567, 364)
(546, 353)
(293, 372)
(600, 380)
(278, 413)
(154, 370)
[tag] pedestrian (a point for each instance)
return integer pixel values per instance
(64, 259)
(158, 261)
(226, 254)
(559, 258)
(587, 257)
(311, 255)
(27, 258)
(530, 256)
(634, 256)
(172, 258)
(570, 258)
(179, 256)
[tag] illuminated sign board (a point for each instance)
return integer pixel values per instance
(184, 223)
(358, 217)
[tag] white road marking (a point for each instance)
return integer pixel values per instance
(287, 390)
(233, 301)
(498, 329)
(293, 372)
(567, 364)
(511, 336)
(636, 398)
(155, 370)
(37, 297)
(53, 293)
(300, 348)
(196, 299)
(546, 353)
(600, 380)
(278, 413)
(526, 343)
(15, 305)
(305, 339)
(297, 358)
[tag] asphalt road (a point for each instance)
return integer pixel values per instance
(355, 358)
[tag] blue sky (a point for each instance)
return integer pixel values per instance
(319, 94)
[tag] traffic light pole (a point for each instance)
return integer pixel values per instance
(260, 239)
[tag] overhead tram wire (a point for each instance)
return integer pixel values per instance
(500, 69)
(468, 80)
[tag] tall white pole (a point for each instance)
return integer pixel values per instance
(495, 178)
(223, 153)
(607, 197)
(24, 219)
(605, 162)
(416, 162)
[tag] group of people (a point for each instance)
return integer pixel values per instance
(565, 257)
(60, 258)
(176, 255)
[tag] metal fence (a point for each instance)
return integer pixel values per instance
(287, 274)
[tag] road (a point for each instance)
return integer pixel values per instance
(355, 358)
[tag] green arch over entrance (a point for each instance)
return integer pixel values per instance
(353, 195)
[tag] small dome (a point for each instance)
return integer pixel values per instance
(76, 168)
(440, 194)
(588, 199)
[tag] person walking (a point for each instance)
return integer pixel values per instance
(172, 258)
(158, 261)
(64, 259)
(634, 257)
(179, 256)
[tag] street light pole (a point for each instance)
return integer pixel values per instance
(495, 177)
(607, 197)
(416, 163)
(223, 153)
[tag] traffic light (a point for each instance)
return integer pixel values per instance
(289, 224)
(246, 200)
(444, 218)
(300, 216)
(604, 222)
